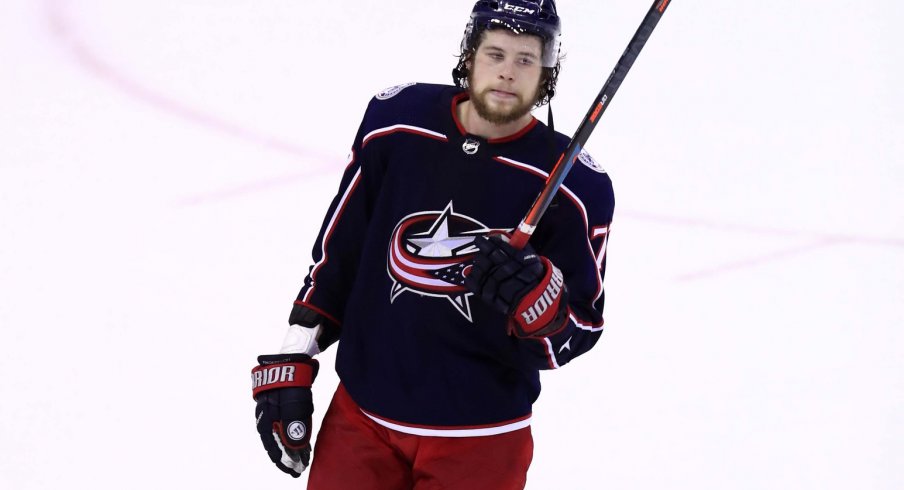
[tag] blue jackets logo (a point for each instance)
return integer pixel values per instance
(391, 92)
(592, 164)
(429, 253)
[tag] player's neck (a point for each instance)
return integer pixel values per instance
(478, 126)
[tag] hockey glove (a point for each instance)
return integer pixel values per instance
(519, 283)
(281, 385)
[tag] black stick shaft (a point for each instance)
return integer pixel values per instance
(600, 104)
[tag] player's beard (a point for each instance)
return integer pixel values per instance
(500, 117)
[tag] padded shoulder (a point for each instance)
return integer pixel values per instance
(408, 104)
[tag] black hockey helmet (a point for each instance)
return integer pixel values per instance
(535, 17)
(538, 18)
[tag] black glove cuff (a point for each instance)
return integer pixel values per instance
(268, 359)
(304, 316)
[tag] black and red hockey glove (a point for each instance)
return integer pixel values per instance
(281, 385)
(521, 284)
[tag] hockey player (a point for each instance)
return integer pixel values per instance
(442, 326)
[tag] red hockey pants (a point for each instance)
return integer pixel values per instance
(353, 452)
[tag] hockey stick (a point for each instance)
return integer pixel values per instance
(601, 103)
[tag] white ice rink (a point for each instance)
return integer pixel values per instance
(164, 168)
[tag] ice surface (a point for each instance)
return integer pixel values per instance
(164, 168)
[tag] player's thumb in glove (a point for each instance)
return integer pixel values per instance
(281, 385)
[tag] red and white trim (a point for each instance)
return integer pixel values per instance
(539, 173)
(329, 231)
(584, 325)
(551, 354)
(404, 128)
(473, 431)
(572, 196)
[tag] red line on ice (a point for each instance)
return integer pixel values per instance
(64, 31)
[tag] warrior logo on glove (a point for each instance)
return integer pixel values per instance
(521, 284)
(548, 298)
(263, 378)
(281, 386)
(296, 431)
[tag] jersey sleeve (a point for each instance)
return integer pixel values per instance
(574, 238)
(337, 250)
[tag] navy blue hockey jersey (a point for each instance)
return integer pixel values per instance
(417, 351)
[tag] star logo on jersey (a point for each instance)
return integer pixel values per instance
(429, 253)
(391, 92)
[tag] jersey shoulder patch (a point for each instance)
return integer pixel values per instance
(588, 160)
(391, 92)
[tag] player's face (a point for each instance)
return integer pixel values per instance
(505, 74)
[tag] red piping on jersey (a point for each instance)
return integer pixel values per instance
(411, 130)
(536, 172)
(506, 139)
(455, 100)
(585, 323)
(329, 234)
(533, 171)
(448, 427)
(550, 355)
(533, 122)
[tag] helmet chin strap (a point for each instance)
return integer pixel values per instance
(549, 120)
